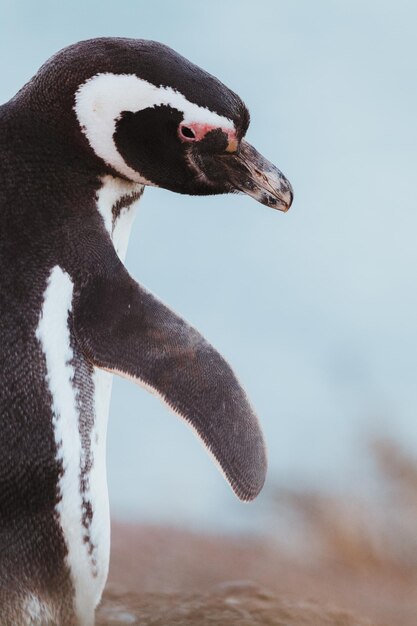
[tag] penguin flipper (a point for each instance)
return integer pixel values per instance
(124, 329)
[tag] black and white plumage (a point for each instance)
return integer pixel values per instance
(99, 121)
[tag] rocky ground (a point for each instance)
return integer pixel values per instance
(356, 565)
(230, 604)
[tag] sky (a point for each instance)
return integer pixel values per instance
(316, 309)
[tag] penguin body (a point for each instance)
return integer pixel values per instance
(79, 142)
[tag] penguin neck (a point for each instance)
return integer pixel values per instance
(116, 200)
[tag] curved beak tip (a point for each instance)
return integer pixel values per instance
(280, 198)
(287, 200)
(255, 176)
(281, 202)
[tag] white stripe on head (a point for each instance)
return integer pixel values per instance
(101, 100)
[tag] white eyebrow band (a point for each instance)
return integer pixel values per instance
(100, 101)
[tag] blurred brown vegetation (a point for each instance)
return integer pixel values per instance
(356, 554)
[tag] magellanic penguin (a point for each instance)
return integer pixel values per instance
(78, 143)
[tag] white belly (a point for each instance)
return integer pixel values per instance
(80, 427)
(80, 438)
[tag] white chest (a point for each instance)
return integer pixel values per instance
(80, 428)
(116, 202)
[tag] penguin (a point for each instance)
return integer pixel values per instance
(79, 142)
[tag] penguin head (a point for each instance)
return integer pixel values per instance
(153, 117)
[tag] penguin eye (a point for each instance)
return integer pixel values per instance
(187, 133)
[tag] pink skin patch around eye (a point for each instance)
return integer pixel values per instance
(196, 131)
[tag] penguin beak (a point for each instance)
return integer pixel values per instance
(249, 172)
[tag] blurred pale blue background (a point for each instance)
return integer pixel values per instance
(316, 309)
